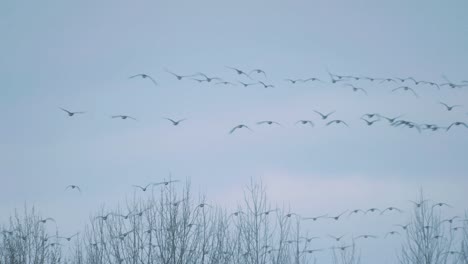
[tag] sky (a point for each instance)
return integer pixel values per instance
(79, 56)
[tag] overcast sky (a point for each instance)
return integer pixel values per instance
(79, 55)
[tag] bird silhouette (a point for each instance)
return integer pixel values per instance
(372, 210)
(258, 71)
(323, 116)
(370, 123)
(239, 72)
(71, 113)
(174, 122)
(365, 236)
(266, 85)
(404, 227)
(391, 233)
(143, 188)
(144, 76)
(123, 117)
(293, 81)
(247, 84)
(103, 217)
(310, 251)
(309, 239)
(268, 212)
(337, 122)
(73, 187)
(337, 238)
(449, 220)
(391, 208)
(304, 122)
(70, 237)
(268, 122)
(209, 79)
(457, 124)
(315, 218)
(178, 77)
(337, 217)
(356, 211)
(441, 204)
(45, 220)
(239, 127)
(357, 89)
(313, 79)
(165, 183)
(226, 83)
(406, 88)
(391, 120)
(449, 107)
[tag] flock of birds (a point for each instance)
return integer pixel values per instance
(398, 231)
(369, 119)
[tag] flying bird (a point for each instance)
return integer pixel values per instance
(457, 124)
(336, 238)
(258, 71)
(336, 218)
(392, 233)
(365, 236)
(370, 123)
(174, 122)
(310, 251)
(269, 122)
(239, 72)
(247, 84)
(404, 227)
(144, 76)
(179, 77)
(449, 107)
(123, 117)
(103, 217)
(71, 113)
(293, 81)
(315, 218)
(313, 79)
(441, 204)
(304, 122)
(309, 239)
(391, 208)
(450, 220)
(143, 188)
(239, 127)
(70, 237)
(268, 212)
(355, 211)
(45, 220)
(406, 88)
(73, 187)
(357, 89)
(391, 120)
(226, 83)
(323, 115)
(418, 204)
(373, 210)
(165, 183)
(209, 79)
(337, 122)
(266, 85)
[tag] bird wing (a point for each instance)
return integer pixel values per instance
(65, 110)
(138, 75)
(151, 78)
(233, 129)
(170, 120)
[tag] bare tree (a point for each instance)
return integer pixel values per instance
(427, 241)
(25, 240)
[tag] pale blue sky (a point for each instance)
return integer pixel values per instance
(79, 56)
